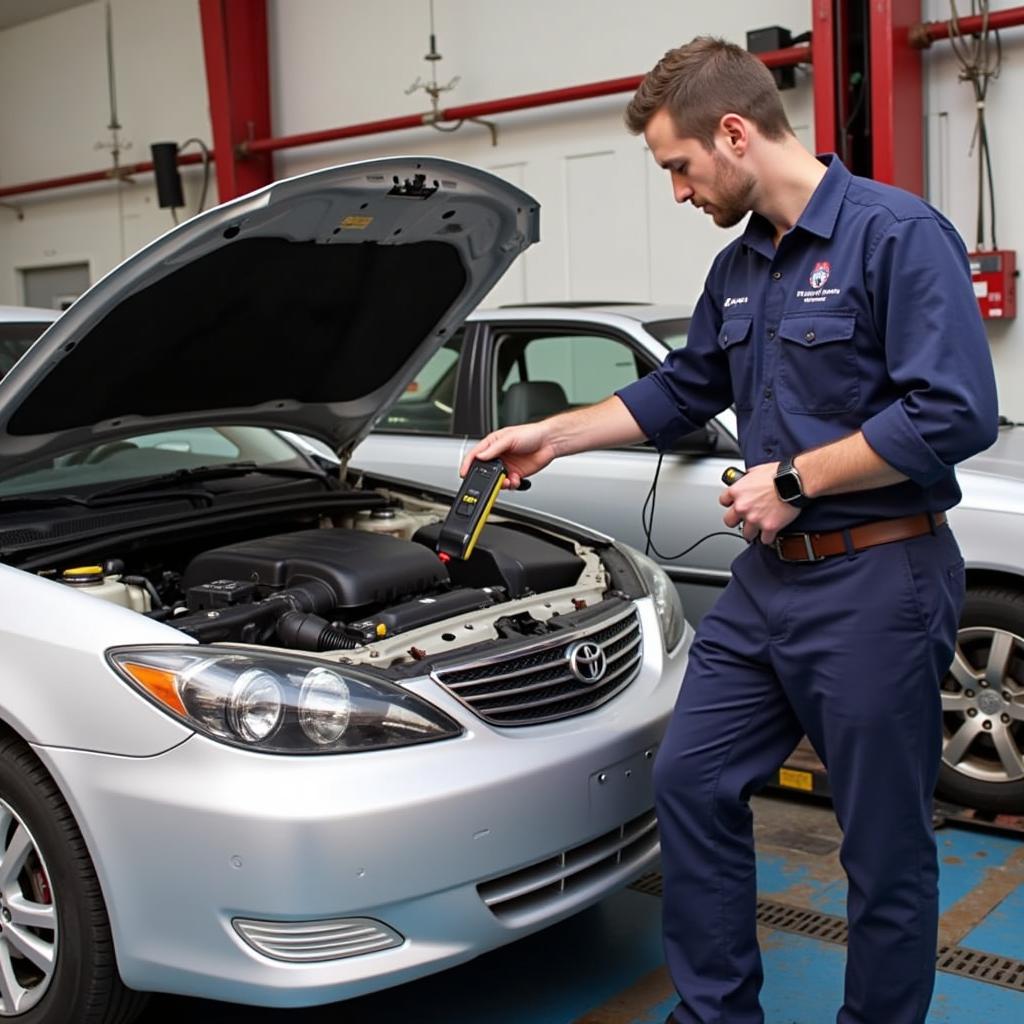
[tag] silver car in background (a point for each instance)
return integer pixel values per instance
(515, 364)
(258, 743)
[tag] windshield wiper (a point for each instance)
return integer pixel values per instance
(197, 473)
(14, 501)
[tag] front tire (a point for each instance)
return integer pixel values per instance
(983, 705)
(56, 951)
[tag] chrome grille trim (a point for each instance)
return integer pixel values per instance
(523, 893)
(480, 683)
(309, 941)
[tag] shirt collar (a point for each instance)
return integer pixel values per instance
(819, 216)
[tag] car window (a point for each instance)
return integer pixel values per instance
(538, 374)
(15, 338)
(671, 333)
(428, 404)
(152, 454)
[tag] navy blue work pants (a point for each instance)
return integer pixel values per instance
(850, 651)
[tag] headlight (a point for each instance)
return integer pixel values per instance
(664, 593)
(280, 704)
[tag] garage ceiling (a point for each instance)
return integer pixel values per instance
(16, 12)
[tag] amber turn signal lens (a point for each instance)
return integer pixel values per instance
(157, 682)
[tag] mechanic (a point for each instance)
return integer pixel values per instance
(843, 326)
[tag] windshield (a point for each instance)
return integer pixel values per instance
(133, 458)
(671, 333)
(15, 340)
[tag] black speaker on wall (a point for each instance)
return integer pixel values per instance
(168, 180)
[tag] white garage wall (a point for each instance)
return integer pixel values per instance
(54, 109)
(952, 174)
(609, 226)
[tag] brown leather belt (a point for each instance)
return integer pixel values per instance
(813, 547)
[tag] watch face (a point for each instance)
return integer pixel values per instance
(787, 486)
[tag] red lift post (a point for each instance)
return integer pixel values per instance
(238, 81)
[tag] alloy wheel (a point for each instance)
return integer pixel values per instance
(983, 706)
(28, 918)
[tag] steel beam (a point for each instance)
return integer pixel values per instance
(897, 106)
(238, 83)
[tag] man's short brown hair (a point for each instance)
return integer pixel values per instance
(700, 82)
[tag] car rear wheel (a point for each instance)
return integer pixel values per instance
(983, 705)
(56, 952)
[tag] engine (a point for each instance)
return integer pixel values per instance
(337, 588)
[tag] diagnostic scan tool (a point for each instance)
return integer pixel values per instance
(471, 507)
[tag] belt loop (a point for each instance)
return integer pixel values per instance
(851, 551)
(931, 522)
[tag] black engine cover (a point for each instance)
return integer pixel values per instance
(362, 568)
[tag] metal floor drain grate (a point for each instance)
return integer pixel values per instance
(803, 922)
(968, 963)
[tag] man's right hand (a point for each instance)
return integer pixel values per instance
(525, 449)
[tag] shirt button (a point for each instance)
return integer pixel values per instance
(771, 333)
(809, 335)
(767, 392)
(776, 274)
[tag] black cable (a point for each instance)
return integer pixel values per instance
(206, 171)
(648, 522)
(978, 67)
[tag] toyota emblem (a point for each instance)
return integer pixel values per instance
(587, 662)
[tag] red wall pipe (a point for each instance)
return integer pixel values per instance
(787, 57)
(774, 59)
(126, 170)
(924, 34)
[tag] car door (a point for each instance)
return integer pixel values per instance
(422, 436)
(537, 370)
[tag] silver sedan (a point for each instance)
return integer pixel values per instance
(515, 364)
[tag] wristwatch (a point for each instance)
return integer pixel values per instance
(789, 486)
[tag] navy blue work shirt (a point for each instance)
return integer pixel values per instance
(865, 318)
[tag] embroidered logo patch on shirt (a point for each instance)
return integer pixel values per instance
(819, 276)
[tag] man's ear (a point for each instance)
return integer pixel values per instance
(735, 133)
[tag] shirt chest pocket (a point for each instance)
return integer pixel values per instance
(818, 367)
(734, 340)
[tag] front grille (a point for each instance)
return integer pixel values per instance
(541, 887)
(311, 941)
(536, 684)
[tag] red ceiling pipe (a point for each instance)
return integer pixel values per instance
(787, 57)
(925, 33)
(774, 59)
(126, 170)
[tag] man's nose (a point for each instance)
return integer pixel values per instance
(682, 191)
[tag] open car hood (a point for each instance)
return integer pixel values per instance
(308, 305)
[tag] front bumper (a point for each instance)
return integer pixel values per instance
(189, 841)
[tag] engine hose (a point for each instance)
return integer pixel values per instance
(312, 633)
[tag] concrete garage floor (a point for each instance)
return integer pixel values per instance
(605, 966)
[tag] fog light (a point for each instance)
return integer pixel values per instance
(307, 941)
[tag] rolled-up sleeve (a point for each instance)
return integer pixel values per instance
(690, 386)
(936, 352)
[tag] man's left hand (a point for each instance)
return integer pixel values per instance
(753, 502)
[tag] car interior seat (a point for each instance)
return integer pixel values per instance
(528, 400)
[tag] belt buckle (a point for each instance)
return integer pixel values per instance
(812, 556)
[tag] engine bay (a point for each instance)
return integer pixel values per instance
(362, 586)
